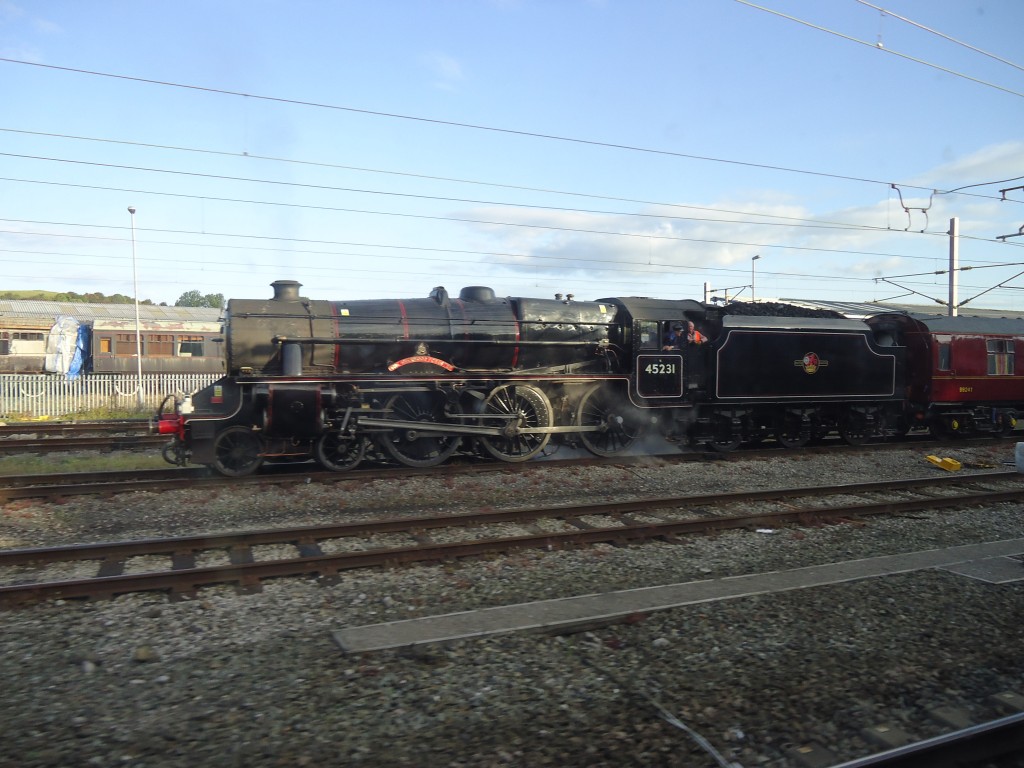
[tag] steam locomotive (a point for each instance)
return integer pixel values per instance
(416, 380)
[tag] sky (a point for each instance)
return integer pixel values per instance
(686, 149)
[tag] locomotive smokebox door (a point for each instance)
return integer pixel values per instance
(659, 375)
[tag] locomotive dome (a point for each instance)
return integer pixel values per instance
(476, 293)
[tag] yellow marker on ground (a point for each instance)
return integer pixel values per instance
(951, 465)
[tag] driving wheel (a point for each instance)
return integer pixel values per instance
(418, 446)
(618, 419)
(338, 452)
(515, 409)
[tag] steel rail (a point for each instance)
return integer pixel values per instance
(138, 547)
(54, 444)
(978, 745)
(14, 487)
(73, 427)
(243, 572)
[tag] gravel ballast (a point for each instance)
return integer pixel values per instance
(228, 679)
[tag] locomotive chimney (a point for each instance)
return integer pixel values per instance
(286, 290)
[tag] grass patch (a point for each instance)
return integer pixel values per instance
(95, 414)
(45, 464)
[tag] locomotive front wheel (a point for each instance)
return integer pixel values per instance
(409, 446)
(601, 406)
(516, 407)
(338, 452)
(237, 452)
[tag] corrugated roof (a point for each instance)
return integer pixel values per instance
(86, 312)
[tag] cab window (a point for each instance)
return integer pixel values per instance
(648, 335)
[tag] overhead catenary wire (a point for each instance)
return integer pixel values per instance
(311, 241)
(803, 223)
(463, 220)
(875, 46)
(944, 36)
(621, 267)
(538, 135)
(451, 123)
(479, 182)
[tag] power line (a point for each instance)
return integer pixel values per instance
(879, 48)
(942, 35)
(450, 123)
(983, 184)
(789, 221)
(546, 227)
(619, 267)
(477, 182)
(349, 273)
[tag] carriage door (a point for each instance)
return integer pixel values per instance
(658, 374)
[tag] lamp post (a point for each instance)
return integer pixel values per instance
(755, 258)
(138, 325)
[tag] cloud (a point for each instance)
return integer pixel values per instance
(10, 12)
(446, 70)
(805, 248)
(15, 16)
(990, 164)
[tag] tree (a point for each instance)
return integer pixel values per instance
(194, 298)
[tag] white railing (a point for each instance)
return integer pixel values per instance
(28, 396)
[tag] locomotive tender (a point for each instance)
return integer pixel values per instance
(416, 380)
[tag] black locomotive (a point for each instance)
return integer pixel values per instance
(416, 380)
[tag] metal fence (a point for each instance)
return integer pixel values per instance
(48, 396)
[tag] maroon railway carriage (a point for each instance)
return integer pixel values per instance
(963, 373)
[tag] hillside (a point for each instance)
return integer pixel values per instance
(70, 296)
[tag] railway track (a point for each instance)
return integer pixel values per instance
(53, 437)
(69, 428)
(10, 445)
(181, 565)
(57, 485)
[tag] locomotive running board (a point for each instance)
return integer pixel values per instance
(429, 428)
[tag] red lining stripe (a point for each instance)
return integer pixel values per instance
(336, 312)
(405, 319)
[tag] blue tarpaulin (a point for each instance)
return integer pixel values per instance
(67, 347)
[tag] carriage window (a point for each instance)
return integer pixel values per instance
(190, 346)
(5, 343)
(125, 344)
(945, 362)
(649, 336)
(1000, 356)
(26, 343)
(159, 345)
(105, 347)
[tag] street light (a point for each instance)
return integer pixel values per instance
(138, 328)
(752, 297)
